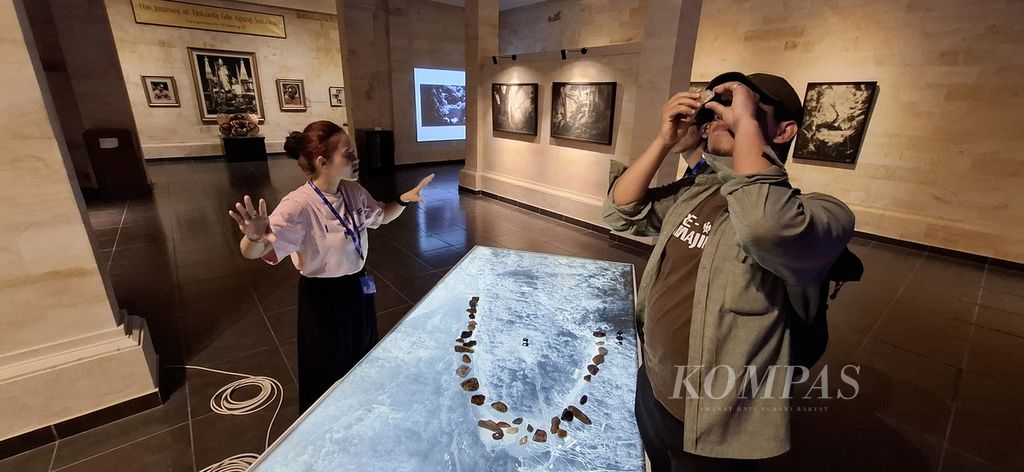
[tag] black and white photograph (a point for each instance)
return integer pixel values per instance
(835, 118)
(443, 105)
(583, 111)
(226, 82)
(337, 96)
(161, 91)
(514, 108)
(291, 94)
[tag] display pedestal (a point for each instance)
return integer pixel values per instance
(252, 148)
(528, 325)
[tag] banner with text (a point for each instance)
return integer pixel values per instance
(187, 15)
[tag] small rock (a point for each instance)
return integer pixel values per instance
(462, 370)
(461, 348)
(500, 407)
(555, 423)
(586, 377)
(477, 400)
(598, 359)
(466, 334)
(498, 435)
(529, 428)
(488, 425)
(579, 415)
(470, 343)
(512, 430)
(471, 325)
(599, 334)
(460, 341)
(562, 433)
(466, 359)
(471, 385)
(593, 369)
(524, 440)
(566, 415)
(472, 316)
(518, 420)
(602, 351)
(583, 400)
(503, 425)
(540, 436)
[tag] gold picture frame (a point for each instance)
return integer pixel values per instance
(161, 91)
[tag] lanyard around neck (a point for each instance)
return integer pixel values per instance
(352, 231)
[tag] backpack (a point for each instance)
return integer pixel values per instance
(808, 341)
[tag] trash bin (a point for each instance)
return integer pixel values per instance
(116, 163)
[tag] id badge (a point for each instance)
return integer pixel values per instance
(369, 286)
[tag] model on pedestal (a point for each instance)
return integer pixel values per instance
(322, 226)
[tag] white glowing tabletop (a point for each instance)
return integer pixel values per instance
(539, 322)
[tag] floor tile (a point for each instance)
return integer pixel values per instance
(36, 460)
(168, 451)
(133, 428)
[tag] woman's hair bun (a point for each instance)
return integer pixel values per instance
(294, 143)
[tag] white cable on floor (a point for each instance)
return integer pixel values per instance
(236, 463)
(222, 403)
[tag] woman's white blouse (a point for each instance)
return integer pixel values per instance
(305, 229)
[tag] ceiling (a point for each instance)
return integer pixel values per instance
(503, 4)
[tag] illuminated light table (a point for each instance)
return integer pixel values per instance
(539, 320)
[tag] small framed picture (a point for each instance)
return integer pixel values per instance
(337, 95)
(292, 94)
(161, 91)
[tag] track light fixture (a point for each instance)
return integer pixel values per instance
(565, 55)
(494, 59)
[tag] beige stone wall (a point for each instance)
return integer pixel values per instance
(311, 52)
(563, 176)
(423, 34)
(49, 279)
(940, 163)
(567, 24)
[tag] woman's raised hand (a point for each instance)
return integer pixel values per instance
(252, 223)
(413, 195)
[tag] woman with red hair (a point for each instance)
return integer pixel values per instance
(322, 226)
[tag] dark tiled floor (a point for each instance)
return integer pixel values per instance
(939, 340)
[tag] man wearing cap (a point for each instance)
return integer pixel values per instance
(740, 257)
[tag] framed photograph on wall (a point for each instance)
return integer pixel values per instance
(514, 108)
(583, 111)
(337, 96)
(226, 82)
(291, 94)
(835, 119)
(161, 91)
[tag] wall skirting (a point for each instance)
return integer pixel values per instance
(57, 383)
(646, 244)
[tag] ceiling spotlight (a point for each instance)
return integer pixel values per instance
(583, 50)
(513, 58)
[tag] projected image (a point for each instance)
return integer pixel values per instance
(443, 105)
(440, 104)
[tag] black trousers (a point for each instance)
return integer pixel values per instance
(337, 327)
(662, 435)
